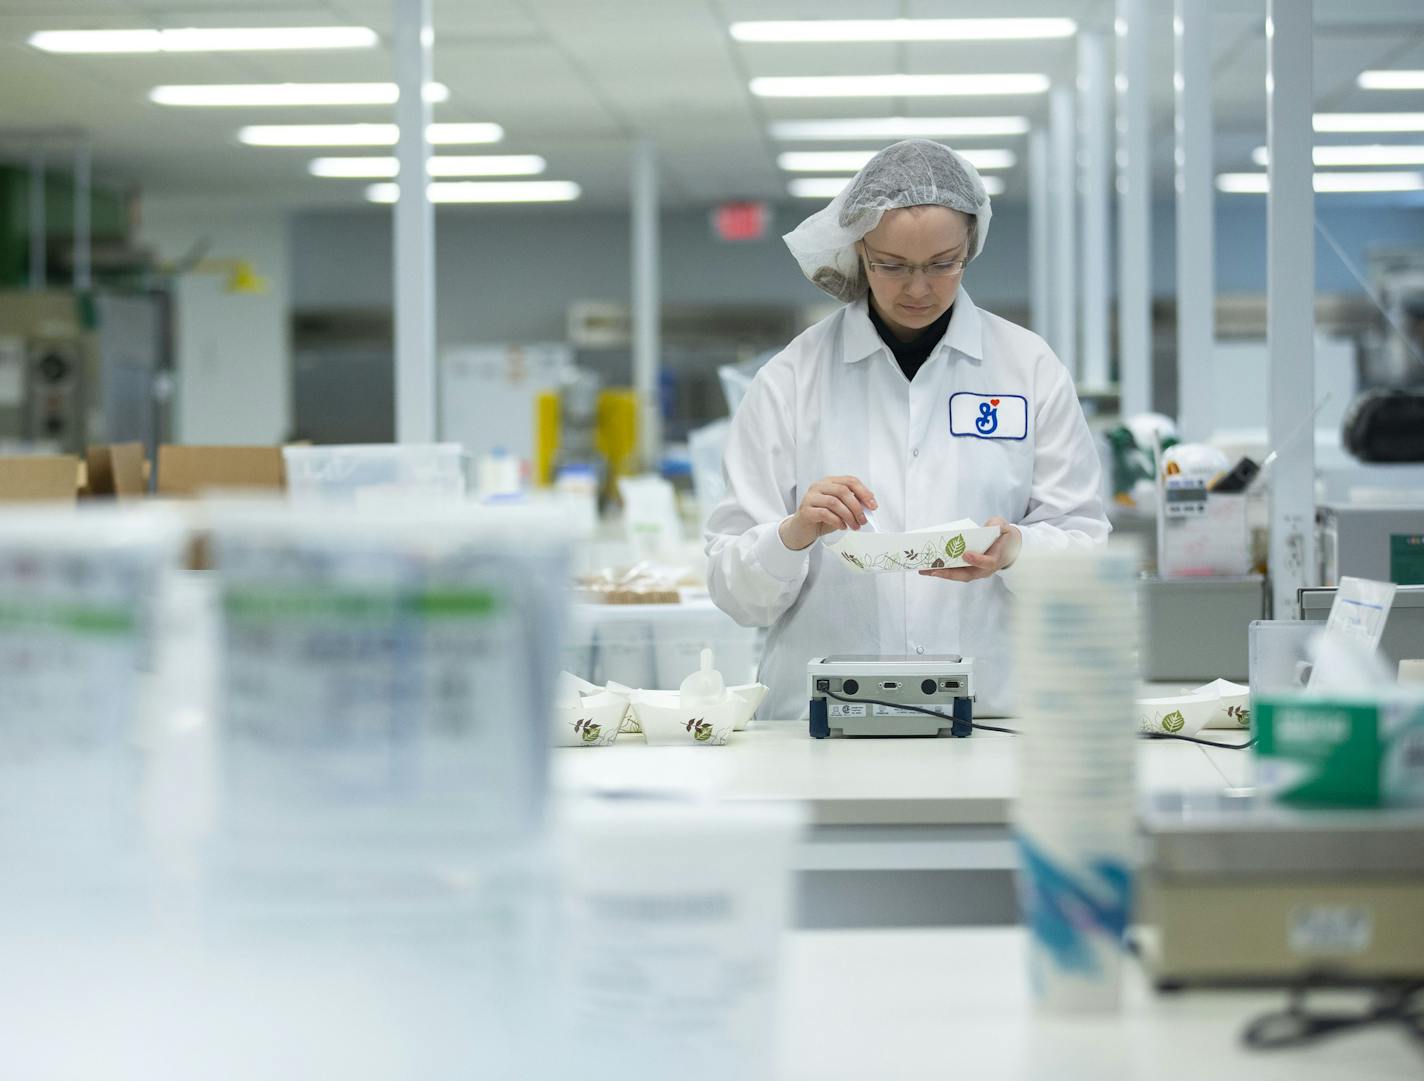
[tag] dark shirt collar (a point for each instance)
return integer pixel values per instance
(859, 340)
(911, 355)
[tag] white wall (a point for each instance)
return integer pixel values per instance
(233, 352)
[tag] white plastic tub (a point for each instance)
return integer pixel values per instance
(361, 473)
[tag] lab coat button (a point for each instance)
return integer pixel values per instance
(919, 649)
(916, 452)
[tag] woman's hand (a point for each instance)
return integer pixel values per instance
(1000, 554)
(830, 505)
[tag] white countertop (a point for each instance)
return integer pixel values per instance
(1235, 767)
(934, 1004)
(861, 782)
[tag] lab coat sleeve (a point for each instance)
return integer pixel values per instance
(1065, 507)
(751, 574)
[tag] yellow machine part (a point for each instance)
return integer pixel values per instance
(546, 437)
(616, 437)
(617, 434)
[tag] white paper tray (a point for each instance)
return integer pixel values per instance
(924, 549)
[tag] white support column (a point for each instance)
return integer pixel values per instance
(83, 163)
(647, 322)
(1196, 218)
(1064, 338)
(1134, 209)
(1040, 235)
(411, 39)
(1094, 107)
(39, 232)
(1290, 297)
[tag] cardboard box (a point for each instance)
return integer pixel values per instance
(42, 478)
(117, 469)
(187, 471)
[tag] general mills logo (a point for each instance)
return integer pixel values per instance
(988, 420)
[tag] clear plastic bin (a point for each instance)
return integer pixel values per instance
(656, 646)
(364, 472)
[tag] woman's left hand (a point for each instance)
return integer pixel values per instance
(1000, 554)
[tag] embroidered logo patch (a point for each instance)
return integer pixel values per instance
(988, 416)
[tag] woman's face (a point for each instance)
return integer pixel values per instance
(915, 235)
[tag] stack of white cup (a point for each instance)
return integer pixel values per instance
(1077, 629)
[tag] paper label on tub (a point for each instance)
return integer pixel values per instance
(73, 638)
(344, 688)
(1330, 930)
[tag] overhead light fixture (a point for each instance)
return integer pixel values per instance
(444, 165)
(1391, 80)
(1259, 183)
(849, 161)
(1354, 155)
(202, 40)
(897, 86)
(827, 30)
(491, 191)
(265, 94)
(817, 187)
(828, 187)
(901, 127)
(1357, 122)
(364, 134)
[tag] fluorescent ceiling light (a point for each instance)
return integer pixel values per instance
(828, 187)
(446, 165)
(817, 187)
(824, 30)
(1345, 122)
(849, 161)
(1259, 183)
(901, 127)
(1391, 80)
(197, 40)
(493, 191)
(263, 94)
(1354, 155)
(364, 134)
(896, 86)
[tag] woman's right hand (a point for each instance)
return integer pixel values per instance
(830, 505)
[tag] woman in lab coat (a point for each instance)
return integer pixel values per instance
(911, 403)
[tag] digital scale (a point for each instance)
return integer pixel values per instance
(1235, 891)
(841, 690)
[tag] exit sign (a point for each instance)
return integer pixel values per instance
(741, 221)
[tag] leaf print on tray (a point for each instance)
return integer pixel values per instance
(929, 549)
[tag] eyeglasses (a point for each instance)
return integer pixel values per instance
(952, 268)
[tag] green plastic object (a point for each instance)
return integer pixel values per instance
(1131, 463)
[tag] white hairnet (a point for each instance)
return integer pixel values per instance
(913, 172)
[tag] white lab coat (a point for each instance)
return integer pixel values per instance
(835, 402)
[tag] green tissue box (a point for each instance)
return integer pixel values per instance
(1340, 752)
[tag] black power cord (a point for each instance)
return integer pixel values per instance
(1015, 732)
(1297, 1025)
(1201, 742)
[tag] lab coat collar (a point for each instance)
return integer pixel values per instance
(965, 334)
